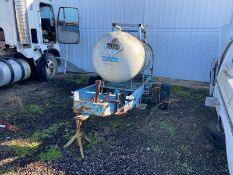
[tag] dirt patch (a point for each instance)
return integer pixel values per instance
(142, 142)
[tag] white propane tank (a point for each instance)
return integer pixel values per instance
(13, 70)
(119, 56)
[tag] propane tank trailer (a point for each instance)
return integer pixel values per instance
(125, 62)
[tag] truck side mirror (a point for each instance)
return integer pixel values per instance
(68, 25)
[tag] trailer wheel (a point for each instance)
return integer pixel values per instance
(51, 66)
(92, 80)
(164, 91)
(164, 95)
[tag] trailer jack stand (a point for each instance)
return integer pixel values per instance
(79, 135)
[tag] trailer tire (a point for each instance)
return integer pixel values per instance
(164, 95)
(92, 80)
(165, 91)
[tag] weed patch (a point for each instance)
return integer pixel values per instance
(158, 149)
(199, 94)
(76, 81)
(117, 123)
(186, 167)
(180, 91)
(68, 135)
(35, 109)
(52, 153)
(23, 148)
(47, 133)
(184, 148)
(169, 128)
(94, 142)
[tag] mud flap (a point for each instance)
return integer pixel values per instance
(214, 135)
(40, 69)
(211, 102)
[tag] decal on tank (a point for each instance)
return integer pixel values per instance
(110, 59)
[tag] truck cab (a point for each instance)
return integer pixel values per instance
(30, 31)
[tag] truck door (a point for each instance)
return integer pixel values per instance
(47, 24)
(68, 25)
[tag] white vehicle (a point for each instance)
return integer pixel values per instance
(221, 92)
(29, 35)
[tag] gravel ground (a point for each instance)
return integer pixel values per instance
(142, 142)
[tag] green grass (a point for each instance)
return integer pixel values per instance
(169, 128)
(10, 172)
(179, 91)
(200, 94)
(76, 81)
(68, 135)
(35, 109)
(158, 149)
(184, 148)
(23, 148)
(52, 153)
(5, 115)
(186, 167)
(79, 158)
(116, 123)
(96, 142)
(48, 133)
(92, 118)
(93, 141)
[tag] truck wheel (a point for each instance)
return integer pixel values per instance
(51, 66)
(213, 134)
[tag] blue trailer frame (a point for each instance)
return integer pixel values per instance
(112, 100)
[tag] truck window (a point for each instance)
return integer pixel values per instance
(48, 23)
(70, 15)
(2, 35)
(2, 39)
(68, 25)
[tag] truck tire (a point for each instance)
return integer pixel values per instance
(214, 134)
(46, 67)
(51, 66)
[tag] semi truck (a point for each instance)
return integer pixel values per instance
(30, 34)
